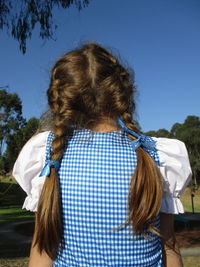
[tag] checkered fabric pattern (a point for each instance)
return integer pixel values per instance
(94, 176)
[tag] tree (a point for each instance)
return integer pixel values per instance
(10, 116)
(21, 17)
(16, 141)
(175, 128)
(189, 133)
(159, 133)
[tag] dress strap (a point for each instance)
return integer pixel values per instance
(146, 142)
(126, 129)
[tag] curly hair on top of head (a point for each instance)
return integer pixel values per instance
(87, 85)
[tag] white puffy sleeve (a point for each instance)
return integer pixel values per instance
(28, 167)
(176, 172)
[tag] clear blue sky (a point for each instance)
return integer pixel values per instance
(160, 40)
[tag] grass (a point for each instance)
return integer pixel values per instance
(11, 201)
(10, 250)
(7, 179)
(11, 194)
(190, 261)
(17, 262)
(14, 214)
(187, 203)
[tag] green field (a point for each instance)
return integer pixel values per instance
(11, 201)
(7, 179)
(14, 214)
(187, 203)
(17, 262)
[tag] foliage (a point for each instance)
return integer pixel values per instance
(10, 116)
(189, 133)
(2, 165)
(16, 141)
(21, 17)
(160, 133)
(14, 130)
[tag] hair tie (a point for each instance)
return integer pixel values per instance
(120, 122)
(46, 171)
(142, 140)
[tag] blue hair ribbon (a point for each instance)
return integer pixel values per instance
(147, 143)
(46, 171)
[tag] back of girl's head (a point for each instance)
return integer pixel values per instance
(88, 84)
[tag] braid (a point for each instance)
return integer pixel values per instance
(59, 142)
(49, 210)
(127, 118)
(145, 192)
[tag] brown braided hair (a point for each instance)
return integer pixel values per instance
(145, 192)
(88, 85)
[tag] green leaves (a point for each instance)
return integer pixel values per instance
(14, 130)
(189, 133)
(16, 141)
(20, 17)
(10, 116)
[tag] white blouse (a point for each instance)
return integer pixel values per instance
(175, 169)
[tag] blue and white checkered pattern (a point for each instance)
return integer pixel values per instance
(94, 177)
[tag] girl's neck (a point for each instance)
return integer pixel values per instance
(106, 126)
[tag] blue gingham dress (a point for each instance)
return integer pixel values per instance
(94, 177)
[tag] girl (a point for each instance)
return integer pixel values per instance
(103, 194)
